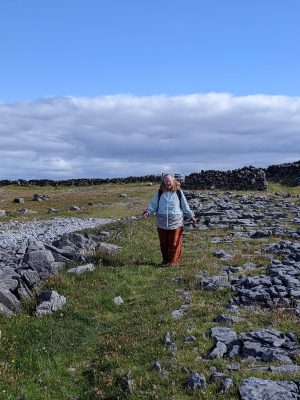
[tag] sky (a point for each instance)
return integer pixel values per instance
(113, 88)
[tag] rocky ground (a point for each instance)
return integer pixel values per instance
(275, 286)
(31, 251)
(14, 234)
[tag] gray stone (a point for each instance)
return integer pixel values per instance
(196, 381)
(29, 276)
(19, 200)
(222, 254)
(49, 302)
(177, 313)
(264, 389)
(41, 261)
(223, 334)
(74, 208)
(215, 282)
(127, 384)
(81, 269)
(108, 248)
(219, 351)
(228, 319)
(157, 366)
(118, 300)
(5, 310)
(2, 213)
(8, 299)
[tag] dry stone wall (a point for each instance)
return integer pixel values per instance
(288, 173)
(80, 182)
(247, 178)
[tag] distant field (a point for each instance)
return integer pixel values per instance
(106, 200)
(83, 351)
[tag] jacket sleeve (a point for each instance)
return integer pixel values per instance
(187, 212)
(153, 206)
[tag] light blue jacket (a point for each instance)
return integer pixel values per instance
(169, 213)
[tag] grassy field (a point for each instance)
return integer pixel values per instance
(83, 351)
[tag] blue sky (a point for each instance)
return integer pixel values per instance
(128, 87)
(100, 47)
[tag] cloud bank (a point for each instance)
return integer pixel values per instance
(123, 135)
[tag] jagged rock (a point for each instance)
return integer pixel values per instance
(264, 389)
(157, 366)
(215, 282)
(52, 211)
(196, 381)
(225, 381)
(81, 269)
(40, 197)
(222, 254)
(74, 246)
(26, 211)
(118, 300)
(49, 302)
(219, 351)
(167, 338)
(224, 335)
(104, 234)
(2, 213)
(18, 200)
(29, 276)
(127, 384)
(39, 259)
(264, 345)
(190, 339)
(9, 278)
(8, 299)
(5, 310)
(228, 319)
(177, 313)
(108, 248)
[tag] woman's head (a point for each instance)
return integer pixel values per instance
(169, 183)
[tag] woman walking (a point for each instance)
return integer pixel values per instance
(170, 206)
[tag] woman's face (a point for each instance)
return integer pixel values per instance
(168, 181)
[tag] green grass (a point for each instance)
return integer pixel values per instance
(84, 350)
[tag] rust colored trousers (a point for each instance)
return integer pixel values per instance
(170, 244)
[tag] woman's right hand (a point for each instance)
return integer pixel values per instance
(146, 214)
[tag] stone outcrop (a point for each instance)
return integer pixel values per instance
(37, 260)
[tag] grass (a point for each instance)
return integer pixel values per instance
(84, 350)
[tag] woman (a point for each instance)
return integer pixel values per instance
(170, 205)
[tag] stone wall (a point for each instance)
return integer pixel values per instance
(81, 182)
(247, 178)
(288, 173)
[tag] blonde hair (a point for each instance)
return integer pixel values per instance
(176, 184)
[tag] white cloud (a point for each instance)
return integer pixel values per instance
(126, 135)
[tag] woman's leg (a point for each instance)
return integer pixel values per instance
(163, 235)
(175, 245)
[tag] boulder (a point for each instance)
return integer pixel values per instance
(49, 302)
(264, 389)
(196, 381)
(108, 248)
(81, 269)
(8, 299)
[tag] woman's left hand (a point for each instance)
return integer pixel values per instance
(194, 221)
